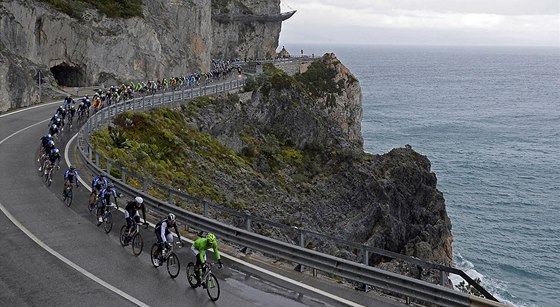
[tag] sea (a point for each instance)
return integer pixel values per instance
(488, 118)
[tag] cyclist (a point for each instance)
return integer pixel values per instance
(70, 177)
(67, 101)
(131, 212)
(53, 130)
(81, 110)
(54, 158)
(199, 248)
(163, 235)
(97, 185)
(44, 141)
(105, 200)
(61, 111)
(71, 113)
(49, 147)
(54, 119)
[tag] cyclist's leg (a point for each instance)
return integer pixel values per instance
(136, 219)
(197, 265)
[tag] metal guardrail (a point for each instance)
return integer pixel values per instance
(360, 272)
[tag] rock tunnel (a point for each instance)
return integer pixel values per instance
(67, 75)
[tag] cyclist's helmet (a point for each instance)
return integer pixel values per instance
(55, 150)
(111, 185)
(72, 167)
(72, 107)
(171, 217)
(211, 238)
(51, 143)
(49, 136)
(139, 199)
(53, 126)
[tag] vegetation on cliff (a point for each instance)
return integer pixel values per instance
(111, 8)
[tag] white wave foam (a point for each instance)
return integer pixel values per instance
(497, 288)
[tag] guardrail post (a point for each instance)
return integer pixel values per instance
(365, 287)
(145, 184)
(300, 268)
(205, 209)
(247, 222)
(170, 198)
(123, 175)
(108, 166)
(97, 158)
(144, 102)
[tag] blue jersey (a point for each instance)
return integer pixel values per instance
(72, 176)
(106, 194)
(100, 180)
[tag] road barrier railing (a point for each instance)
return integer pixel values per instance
(243, 235)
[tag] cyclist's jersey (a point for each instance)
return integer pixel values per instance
(106, 194)
(132, 208)
(202, 244)
(162, 229)
(44, 140)
(48, 148)
(54, 158)
(99, 182)
(53, 131)
(71, 176)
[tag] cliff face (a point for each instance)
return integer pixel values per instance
(173, 38)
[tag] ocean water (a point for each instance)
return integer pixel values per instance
(489, 121)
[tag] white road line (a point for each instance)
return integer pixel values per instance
(56, 254)
(30, 108)
(235, 259)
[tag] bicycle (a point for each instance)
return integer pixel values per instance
(133, 238)
(48, 170)
(93, 200)
(106, 216)
(171, 259)
(67, 195)
(209, 280)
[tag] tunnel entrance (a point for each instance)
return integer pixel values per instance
(67, 75)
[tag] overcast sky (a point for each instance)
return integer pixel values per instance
(423, 22)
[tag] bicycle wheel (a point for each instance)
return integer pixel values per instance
(191, 275)
(46, 173)
(108, 222)
(173, 265)
(137, 244)
(48, 178)
(212, 287)
(123, 235)
(68, 198)
(156, 262)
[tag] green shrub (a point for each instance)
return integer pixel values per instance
(111, 8)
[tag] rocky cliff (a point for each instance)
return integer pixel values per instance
(290, 150)
(173, 37)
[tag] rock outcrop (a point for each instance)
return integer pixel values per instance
(172, 38)
(290, 150)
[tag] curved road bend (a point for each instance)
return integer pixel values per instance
(81, 265)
